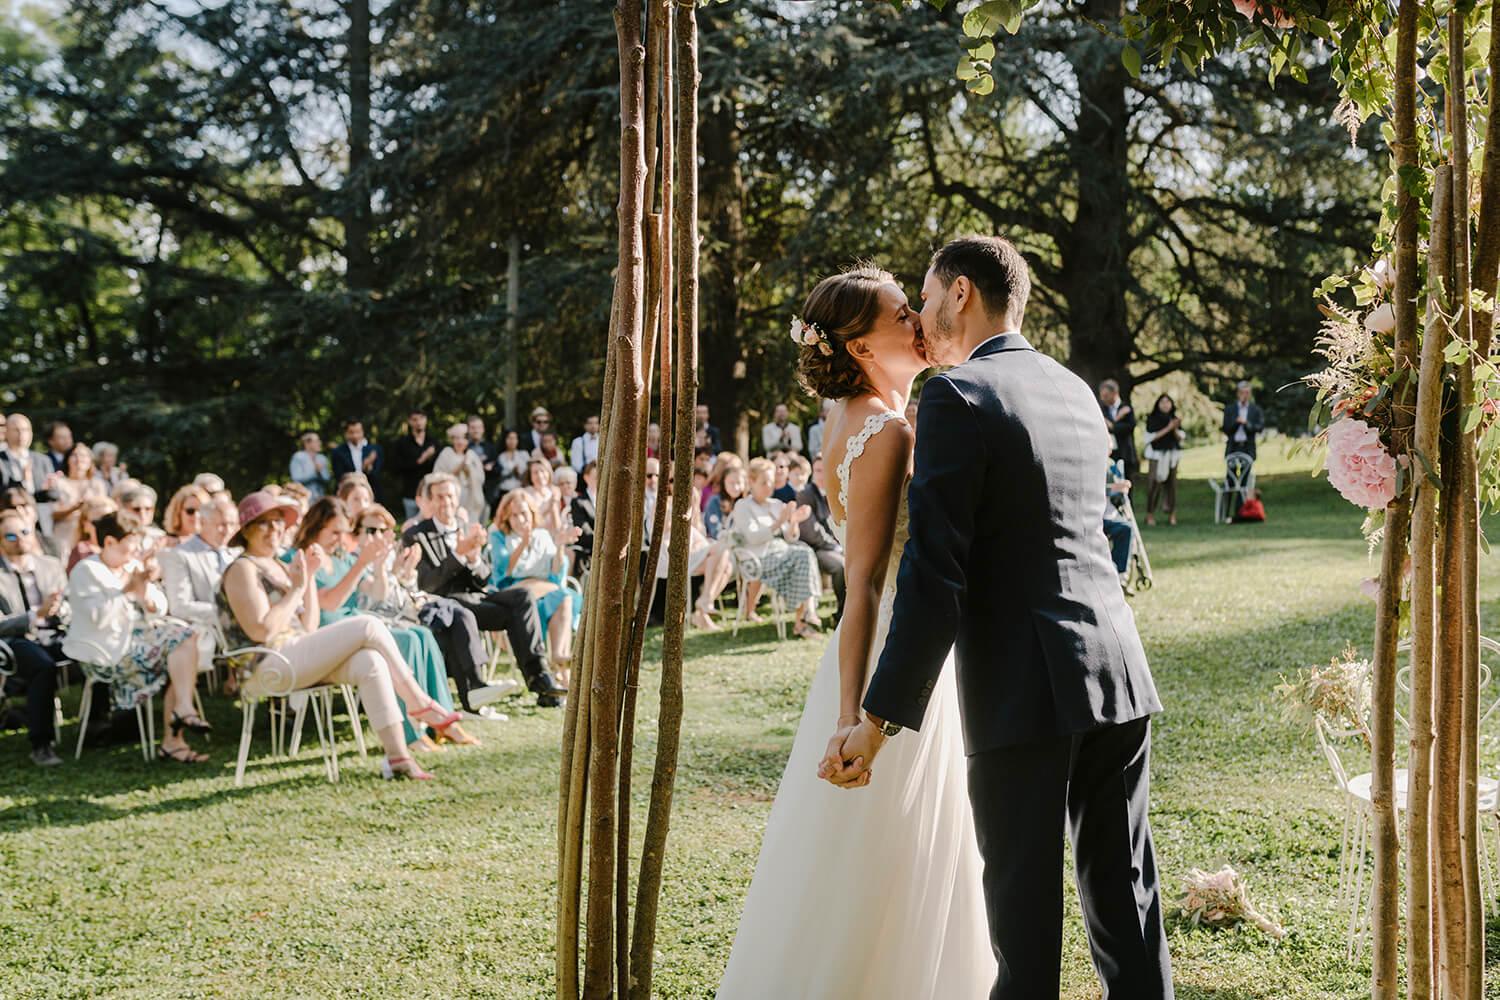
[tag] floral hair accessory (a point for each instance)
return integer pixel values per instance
(810, 335)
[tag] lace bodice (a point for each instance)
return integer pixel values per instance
(855, 447)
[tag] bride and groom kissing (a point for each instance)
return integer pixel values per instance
(986, 687)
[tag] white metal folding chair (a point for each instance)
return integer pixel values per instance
(274, 674)
(97, 671)
(747, 568)
(1236, 486)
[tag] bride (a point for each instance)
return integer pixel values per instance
(898, 860)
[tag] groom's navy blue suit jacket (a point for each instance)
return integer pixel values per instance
(1008, 561)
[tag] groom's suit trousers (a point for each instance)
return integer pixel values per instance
(1095, 785)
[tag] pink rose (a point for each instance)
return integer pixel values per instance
(1359, 466)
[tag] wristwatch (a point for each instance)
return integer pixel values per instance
(889, 728)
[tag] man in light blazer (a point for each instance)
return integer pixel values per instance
(20, 466)
(31, 605)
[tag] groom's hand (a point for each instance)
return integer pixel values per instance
(833, 757)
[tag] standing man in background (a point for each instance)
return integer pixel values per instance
(413, 458)
(1243, 421)
(585, 448)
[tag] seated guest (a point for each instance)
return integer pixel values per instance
(549, 452)
(358, 454)
(310, 466)
(467, 469)
(298, 495)
(701, 423)
(339, 574)
(117, 629)
(781, 482)
(59, 438)
(192, 571)
(731, 486)
(211, 484)
(543, 495)
(715, 563)
(769, 529)
(582, 514)
(32, 591)
(88, 540)
(390, 590)
(817, 531)
(781, 434)
(138, 507)
(27, 669)
(20, 466)
(181, 518)
(15, 498)
(723, 462)
(798, 473)
(264, 603)
(566, 482)
(107, 465)
(355, 491)
(511, 463)
(1116, 529)
(452, 565)
(528, 556)
(71, 495)
(653, 440)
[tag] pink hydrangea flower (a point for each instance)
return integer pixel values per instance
(1359, 466)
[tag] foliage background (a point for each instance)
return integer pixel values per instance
(176, 202)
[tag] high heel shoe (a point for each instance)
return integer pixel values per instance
(192, 723)
(437, 718)
(410, 772)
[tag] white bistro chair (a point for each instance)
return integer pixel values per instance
(97, 672)
(1236, 486)
(747, 569)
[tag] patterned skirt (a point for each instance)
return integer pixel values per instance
(791, 569)
(143, 670)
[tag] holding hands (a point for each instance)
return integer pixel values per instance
(851, 753)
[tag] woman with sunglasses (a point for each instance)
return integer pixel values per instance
(77, 486)
(343, 566)
(264, 602)
(182, 516)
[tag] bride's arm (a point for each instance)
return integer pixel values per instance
(876, 482)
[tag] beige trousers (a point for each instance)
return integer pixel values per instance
(357, 650)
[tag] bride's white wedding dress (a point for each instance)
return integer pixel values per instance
(872, 893)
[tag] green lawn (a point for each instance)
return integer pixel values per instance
(127, 880)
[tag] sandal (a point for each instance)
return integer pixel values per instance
(192, 723)
(437, 718)
(182, 755)
(402, 769)
(703, 620)
(456, 735)
(805, 630)
(425, 744)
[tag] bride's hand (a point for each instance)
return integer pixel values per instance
(833, 757)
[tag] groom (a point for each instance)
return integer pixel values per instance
(1007, 561)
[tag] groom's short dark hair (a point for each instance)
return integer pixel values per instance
(996, 269)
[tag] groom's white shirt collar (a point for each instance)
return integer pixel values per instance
(1002, 333)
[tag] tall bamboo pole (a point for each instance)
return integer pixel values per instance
(616, 509)
(1487, 248)
(1468, 510)
(1384, 895)
(1419, 925)
(685, 222)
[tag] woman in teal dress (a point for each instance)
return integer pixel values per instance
(349, 581)
(525, 555)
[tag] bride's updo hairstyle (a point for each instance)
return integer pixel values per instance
(843, 307)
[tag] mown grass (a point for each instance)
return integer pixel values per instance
(119, 879)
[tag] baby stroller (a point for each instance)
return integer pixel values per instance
(1137, 576)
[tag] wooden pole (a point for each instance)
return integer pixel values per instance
(1384, 894)
(685, 222)
(1423, 618)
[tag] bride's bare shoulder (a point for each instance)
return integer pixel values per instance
(848, 418)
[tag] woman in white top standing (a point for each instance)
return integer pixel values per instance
(464, 464)
(768, 529)
(116, 631)
(74, 490)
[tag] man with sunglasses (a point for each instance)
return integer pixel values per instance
(541, 423)
(31, 616)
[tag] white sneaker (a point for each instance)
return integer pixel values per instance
(493, 692)
(487, 713)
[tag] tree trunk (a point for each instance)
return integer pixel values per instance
(685, 223)
(1487, 249)
(618, 508)
(1094, 268)
(1447, 848)
(1385, 887)
(1423, 611)
(357, 224)
(723, 192)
